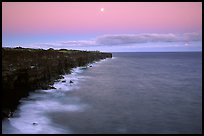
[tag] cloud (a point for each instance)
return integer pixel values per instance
(124, 40)
(192, 37)
(45, 45)
(79, 43)
(144, 38)
(137, 38)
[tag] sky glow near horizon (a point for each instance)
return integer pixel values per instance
(103, 26)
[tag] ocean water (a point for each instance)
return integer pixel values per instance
(137, 93)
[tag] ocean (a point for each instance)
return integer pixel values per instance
(139, 93)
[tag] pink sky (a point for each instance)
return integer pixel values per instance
(82, 18)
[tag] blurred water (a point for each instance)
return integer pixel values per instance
(130, 93)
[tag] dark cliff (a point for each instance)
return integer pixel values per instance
(25, 70)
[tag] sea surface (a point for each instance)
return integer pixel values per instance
(138, 93)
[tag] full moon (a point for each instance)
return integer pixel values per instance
(102, 9)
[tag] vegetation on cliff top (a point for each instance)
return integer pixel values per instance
(25, 69)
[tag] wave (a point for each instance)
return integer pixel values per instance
(30, 117)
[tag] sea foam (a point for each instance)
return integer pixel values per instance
(30, 117)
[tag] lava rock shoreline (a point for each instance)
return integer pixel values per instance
(26, 69)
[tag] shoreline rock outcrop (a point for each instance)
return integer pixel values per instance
(26, 69)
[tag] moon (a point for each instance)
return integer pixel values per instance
(102, 9)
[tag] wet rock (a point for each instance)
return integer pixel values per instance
(83, 68)
(52, 87)
(6, 113)
(10, 114)
(71, 82)
(35, 124)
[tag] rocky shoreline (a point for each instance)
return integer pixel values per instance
(26, 69)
